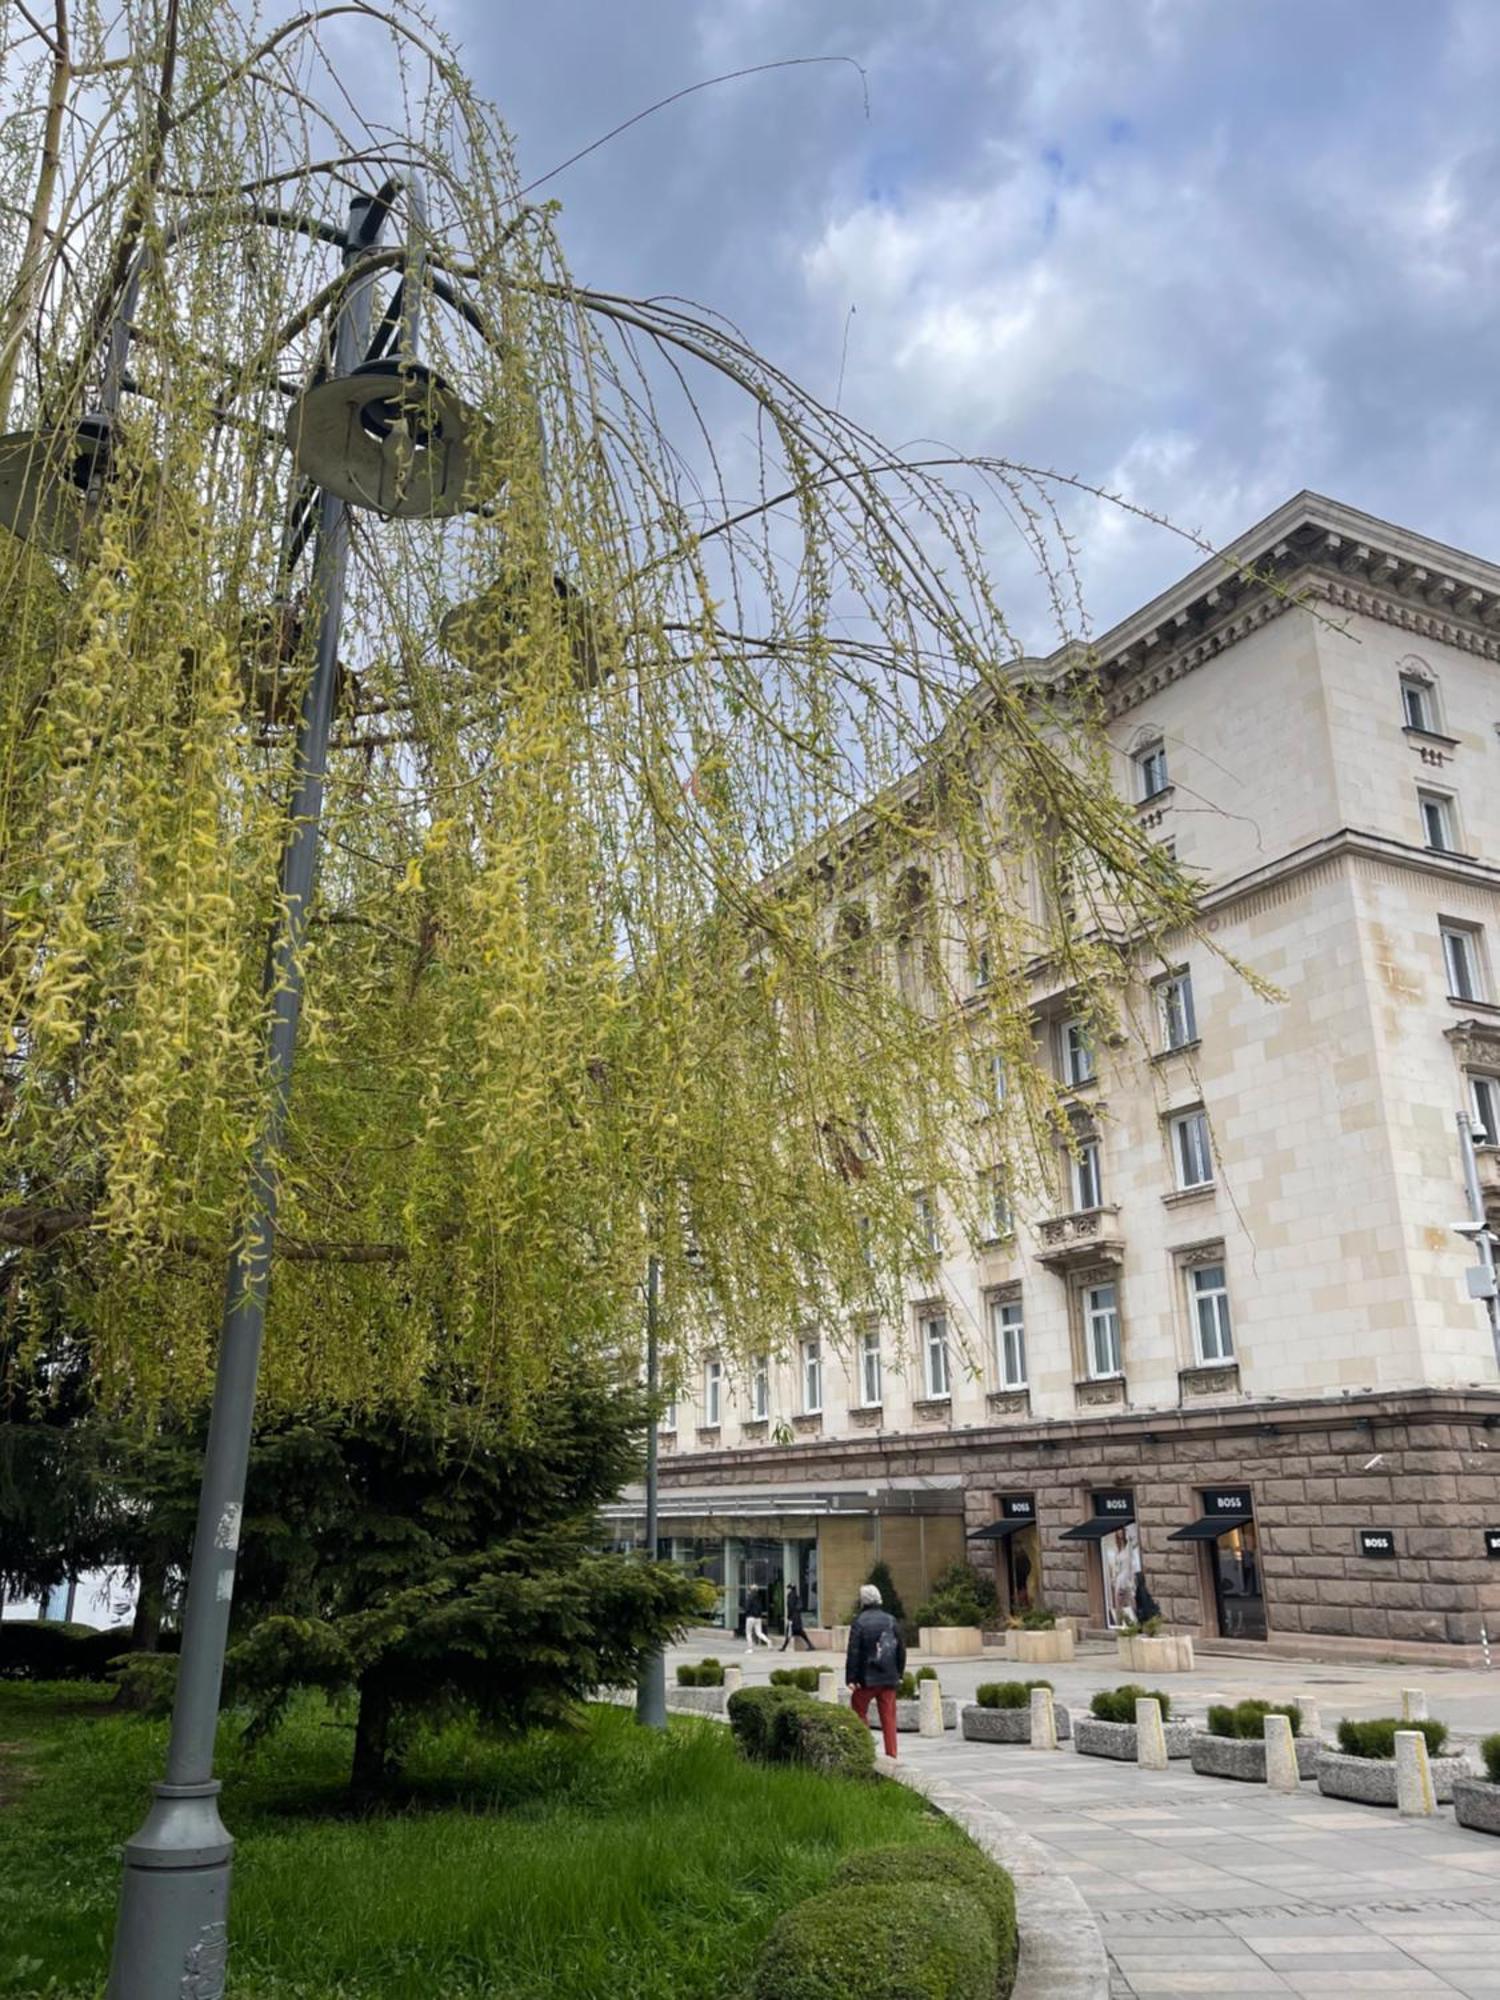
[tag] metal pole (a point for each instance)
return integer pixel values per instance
(651, 1688)
(1484, 1241)
(172, 1940)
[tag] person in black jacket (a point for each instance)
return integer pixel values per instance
(875, 1663)
(794, 1626)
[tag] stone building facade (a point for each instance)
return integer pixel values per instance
(1234, 1367)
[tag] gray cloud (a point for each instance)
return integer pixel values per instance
(1203, 255)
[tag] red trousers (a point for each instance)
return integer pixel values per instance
(885, 1705)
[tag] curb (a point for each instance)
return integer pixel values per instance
(1062, 1953)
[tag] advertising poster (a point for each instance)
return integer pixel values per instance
(1120, 1557)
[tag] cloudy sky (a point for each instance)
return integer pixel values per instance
(1201, 254)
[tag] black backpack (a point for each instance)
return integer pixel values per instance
(886, 1649)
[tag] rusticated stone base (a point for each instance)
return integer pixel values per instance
(1093, 1738)
(1244, 1757)
(1476, 1803)
(1371, 1781)
(1007, 1725)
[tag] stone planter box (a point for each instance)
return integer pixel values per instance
(1165, 1654)
(1093, 1738)
(698, 1701)
(1007, 1725)
(1040, 1649)
(1371, 1781)
(909, 1715)
(1476, 1803)
(1245, 1757)
(949, 1642)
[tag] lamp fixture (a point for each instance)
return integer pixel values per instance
(390, 435)
(50, 480)
(481, 632)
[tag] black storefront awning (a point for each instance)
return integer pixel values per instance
(998, 1531)
(1097, 1529)
(1208, 1528)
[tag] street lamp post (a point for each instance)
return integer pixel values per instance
(651, 1688)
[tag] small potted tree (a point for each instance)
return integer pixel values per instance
(1108, 1730)
(1036, 1639)
(1363, 1767)
(1001, 1713)
(1476, 1801)
(1234, 1743)
(951, 1623)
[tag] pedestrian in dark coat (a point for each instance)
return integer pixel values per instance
(875, 1663)
(794, 1628)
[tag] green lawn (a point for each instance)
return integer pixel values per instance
(609, 1865)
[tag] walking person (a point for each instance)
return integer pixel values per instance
(755, 1616)
(875, 1663)
(794, 1628)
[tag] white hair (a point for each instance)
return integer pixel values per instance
(868, 1594)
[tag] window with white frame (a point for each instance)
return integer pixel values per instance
(1418, 708)
(713, 1393)
(1076, 1050)
(927, 1222)
(871, 1386)
(1484, 1102)
(866, 1228)
(934, 1340)
(812, 1376)
(1208, 1295)
(1437, 821)
(1008, 1330)
(1175, 1011)
(994, 1195)
(1088, 1180)
(1151, 770)
(1101, 1330)
(667, 1421)
(760, 1388)
(1192, 1149)
(1461, 961)
(981, 968)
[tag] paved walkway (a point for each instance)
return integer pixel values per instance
(1205, 1886)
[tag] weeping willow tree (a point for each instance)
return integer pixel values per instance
(680, 779)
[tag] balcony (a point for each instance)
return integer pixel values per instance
(1088, 1236)
(1099, 1392)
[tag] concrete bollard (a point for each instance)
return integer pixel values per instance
(1150, 1736)
(827, 1684)
(1281, 1755)
(732, 1681)
(929, 1708)
(1043, 1720)
(1413, 1704)
(1415, 1798)
(1312, 1720)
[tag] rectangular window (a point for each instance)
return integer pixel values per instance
(1088, 1181)
(1416, 704)
(927, 1223)
(1210, 1300)
(982, 969)
(871, 1388)
(1009, 1330)
(935, 1354)
(1192, 1150)
(1076, 1048)
(713, 1393)
(1174, 1006)
(1151, 771)
(994, 1192)
(1461, 961)
(812, 1376)
(1437, 822)
(760, 1388)
(866, 1228)
(1101, 1330)
(668, 1419)
(1484, 1097)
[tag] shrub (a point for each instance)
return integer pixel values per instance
(957, 1865)
(1007, 1694)
(908, 1938)
(1377, 1738)
(825, 1738)
(890, 1597)
(1040, 1618)
(36, 1649)
(751, 1711)
(707, 1674)
(906, 1687)
(1489, 1750)
(1118, 1704)
(1146, 1628)
(1246, 1719)
(960, 1596)
(805, 1678)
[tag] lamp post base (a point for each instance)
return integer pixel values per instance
(650, 1694)
(172, 1937)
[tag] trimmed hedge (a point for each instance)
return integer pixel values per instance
(1489, 1751)
(1118, 1704)
(885, 1941)
(805, 1678)
(707, 1674)
(750, 1712)
(33, 1649)
(825, 1738)
(1007, 1694)
(1246, 1719)
(1377, 1738)
(957, 1865)
(906, 1687)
